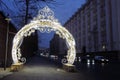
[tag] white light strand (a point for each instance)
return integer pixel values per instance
(44, 22)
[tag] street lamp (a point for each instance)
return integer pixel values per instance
(8, 20)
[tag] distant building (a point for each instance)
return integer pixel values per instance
(29, 45)
(43, 50)
(57, 45)
(96, 26)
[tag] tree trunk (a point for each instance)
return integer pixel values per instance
(27, 10)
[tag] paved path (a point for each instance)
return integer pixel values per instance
(42, 69)
(4, 73)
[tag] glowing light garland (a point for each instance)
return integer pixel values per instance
(44, 22)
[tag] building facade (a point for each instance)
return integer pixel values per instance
(29, 45)
(5, 49)
(95, 26)
(58, 45)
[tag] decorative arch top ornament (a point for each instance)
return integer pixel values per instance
(45, 13)
(44, 22)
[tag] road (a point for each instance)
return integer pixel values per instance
(43, 69)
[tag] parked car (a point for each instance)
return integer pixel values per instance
(86, 59)
(101, 59)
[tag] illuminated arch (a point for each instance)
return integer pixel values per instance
(44, 22)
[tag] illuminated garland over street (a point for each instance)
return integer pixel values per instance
(44, 22)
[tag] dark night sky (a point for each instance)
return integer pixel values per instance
(63, 11)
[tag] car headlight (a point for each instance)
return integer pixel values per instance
(102, 59)
(107, 60)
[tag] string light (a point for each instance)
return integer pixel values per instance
(44, 22)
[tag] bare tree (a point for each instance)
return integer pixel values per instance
(29, 8)
(24, 10)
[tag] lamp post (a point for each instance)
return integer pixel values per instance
(6, 50)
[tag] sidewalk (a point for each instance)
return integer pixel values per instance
(4, 73)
